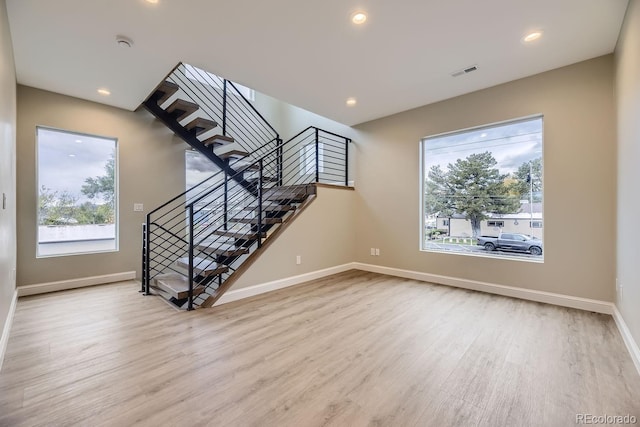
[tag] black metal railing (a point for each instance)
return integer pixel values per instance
(214, 226)
(222, 101)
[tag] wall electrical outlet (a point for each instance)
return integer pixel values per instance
(377, 251)
(138, 207)
(373, 251)
(298, 260)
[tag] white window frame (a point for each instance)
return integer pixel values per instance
(422, 175)
(78, 136)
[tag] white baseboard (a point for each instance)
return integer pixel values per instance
(509, 291)
(82, 282)
(631, 344)
(4, 339)
(237, 294)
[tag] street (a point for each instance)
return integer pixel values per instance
(466, 249)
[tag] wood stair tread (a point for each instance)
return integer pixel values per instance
(176, 285)
(181, 108)
(225, 249)
(218, 140)
(233, 154)
(202, 266)
(294, 194)
(165, 90)
(272, 208)
(200, 125)
(255, 220)
(242, 235)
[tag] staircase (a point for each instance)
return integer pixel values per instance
(198, 243)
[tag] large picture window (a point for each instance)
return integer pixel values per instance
(482, 191)
(77, 193)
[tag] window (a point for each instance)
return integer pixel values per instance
(307, 159)
(77, 193)
(474, 175)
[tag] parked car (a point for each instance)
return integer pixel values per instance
(512, 242)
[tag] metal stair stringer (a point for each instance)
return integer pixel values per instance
(255, 254)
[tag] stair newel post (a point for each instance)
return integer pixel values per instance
(147, 247)
(279, 154)
(224, 107)
(346, 162)
(190, 303)
(144, 257)
(317, 158)
(260, 163)
(226, 200)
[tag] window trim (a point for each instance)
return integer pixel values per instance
(116, 187)
(421, 195)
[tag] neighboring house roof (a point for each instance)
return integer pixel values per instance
(525, 212)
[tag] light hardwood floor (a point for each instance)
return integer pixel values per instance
(354, 349)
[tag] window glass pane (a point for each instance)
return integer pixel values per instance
(307, 159)
(471, 177)
(77, 193)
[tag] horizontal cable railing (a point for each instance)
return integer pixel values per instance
(205, 233)
(220, 100)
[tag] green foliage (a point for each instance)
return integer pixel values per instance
(62, 208)
(102, 186)
(56, 208)
(472, 187)
(527, 181)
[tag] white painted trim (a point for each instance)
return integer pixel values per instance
(4, 339)
(509, 291)
(631, 344)
(82, 282)
(237, 294)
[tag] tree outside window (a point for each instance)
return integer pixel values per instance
(480, 178)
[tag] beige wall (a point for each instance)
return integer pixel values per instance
(628, 103)
(579, 160)
(151, 169)
(7, 167)
(323, 235)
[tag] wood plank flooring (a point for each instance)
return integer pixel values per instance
(355, 349)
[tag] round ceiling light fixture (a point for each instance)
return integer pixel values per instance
(532, 36)
(359, 17)
(104, 92)
(351, 102)
(152, 1)
(124, 41)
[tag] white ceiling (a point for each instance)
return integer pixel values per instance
(307, 53)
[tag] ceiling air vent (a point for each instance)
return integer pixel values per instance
(464, 71)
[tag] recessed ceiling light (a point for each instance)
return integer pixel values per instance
(484, 135)
(532, 36)
(78, 141)
(104, 92)
(72, 155)
(359, 18)
(351, 102)
(152, 1)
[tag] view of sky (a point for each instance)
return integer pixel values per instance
(197, 168)
(511, 145)
(66, 159)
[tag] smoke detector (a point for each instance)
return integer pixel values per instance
(124, 41)
(465, 70)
